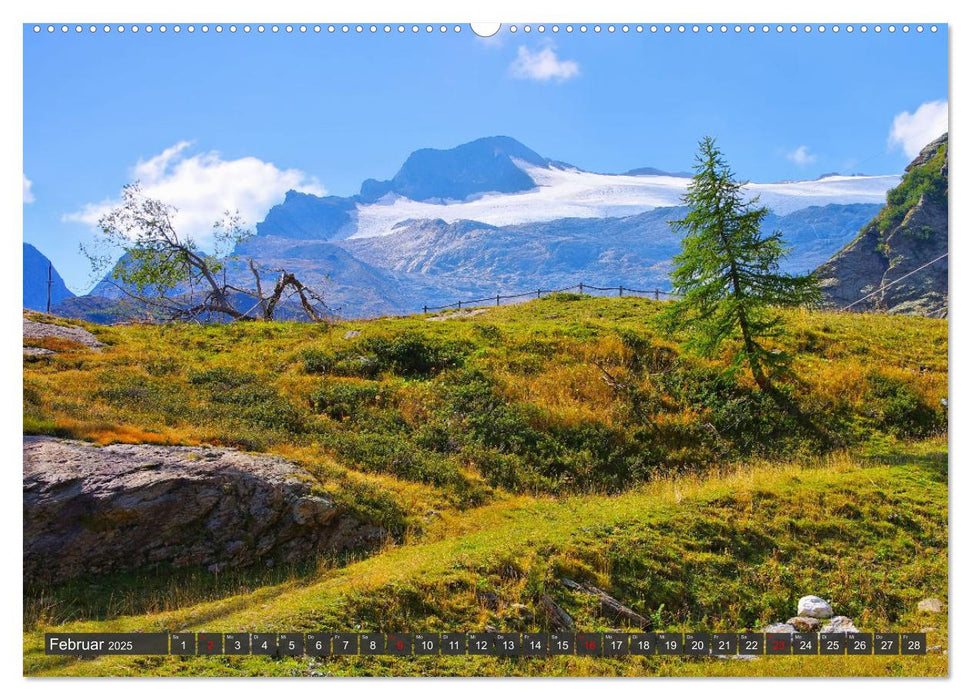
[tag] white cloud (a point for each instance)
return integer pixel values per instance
(543, 65)
(202, 186)
(911, 131)
(801, 156)
(28, 193)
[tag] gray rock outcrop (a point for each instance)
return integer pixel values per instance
(96, 510)
(839, 625)
(34, 330)
(896, 263)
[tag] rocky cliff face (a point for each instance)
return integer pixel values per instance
(94, 510)
(911, 231)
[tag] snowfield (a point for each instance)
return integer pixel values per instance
(563, 193)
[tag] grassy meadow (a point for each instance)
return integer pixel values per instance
(506, 450)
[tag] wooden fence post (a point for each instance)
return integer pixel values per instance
(581, 288)
(424, 309)
(539, 293)
(621, 290)
(460, 305)
(657, 294)
(497, 300)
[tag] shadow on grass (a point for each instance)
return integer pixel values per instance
(152, 592)
(933, 462)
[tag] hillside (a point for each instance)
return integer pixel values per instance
(906, 241)
(507, 448)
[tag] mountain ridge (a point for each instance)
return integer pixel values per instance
(36, 266)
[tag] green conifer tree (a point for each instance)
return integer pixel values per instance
(727, 274)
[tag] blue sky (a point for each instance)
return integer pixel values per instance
(247, 116)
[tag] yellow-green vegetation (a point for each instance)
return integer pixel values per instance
(507, 450)
(927, 180)
(727, 552)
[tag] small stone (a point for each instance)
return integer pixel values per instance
(521, 611)
(780, 628)
(839, 625)
(930, 605)
(814, 606)
(805, 624)
(351, 334)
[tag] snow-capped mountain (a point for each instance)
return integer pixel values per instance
(500, 182)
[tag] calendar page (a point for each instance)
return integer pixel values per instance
(519, 349)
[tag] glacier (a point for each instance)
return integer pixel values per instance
(564, 193)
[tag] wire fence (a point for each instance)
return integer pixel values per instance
(657, 294)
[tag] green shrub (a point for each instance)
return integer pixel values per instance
(221, 378)
(248, 398)
(394, 454)
(407, 354)
(413, 354)
(900, 410)
(343, 400)
(437, 436)
(317, 361)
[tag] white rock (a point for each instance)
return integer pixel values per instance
(814, 606)
(931, 605)
(780, 628)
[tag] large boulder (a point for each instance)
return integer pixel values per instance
(95, 510)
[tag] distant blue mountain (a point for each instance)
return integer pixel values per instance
(36, 267)
(308, 217)
(483, 165)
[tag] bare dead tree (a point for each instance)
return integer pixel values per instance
(169, 272)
